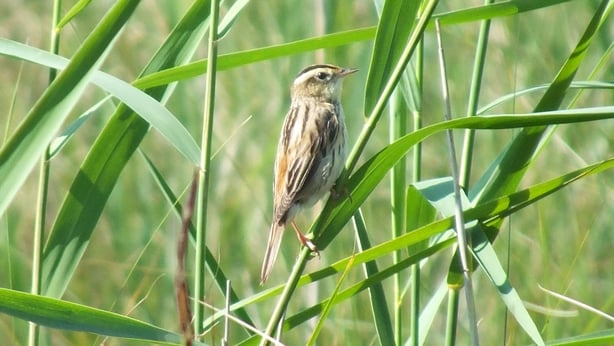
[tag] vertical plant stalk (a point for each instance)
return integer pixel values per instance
(39, 235)
(284, 299)
(43, 189)
(9, 121)
(331, 301)
(469, 139)
(415, 305)
(474, 96)
(398, 128)
(227, 314)
(452, 321)
(416, 176)
(205, 173)
(458, 210)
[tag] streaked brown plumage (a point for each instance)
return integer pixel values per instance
(311, 151)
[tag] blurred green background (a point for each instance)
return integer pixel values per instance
(563, 243)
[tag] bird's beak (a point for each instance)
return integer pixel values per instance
(348, 71)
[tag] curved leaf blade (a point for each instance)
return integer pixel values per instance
(233, 60)
(157, 115)
(393, 30)
(337, 213)
(83, 205)
(514, 161)
(24, 148)
(65, 315)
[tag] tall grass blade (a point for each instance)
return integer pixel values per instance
(360, 286)
(328, 307)
(515, 160)
(77, 8)
(106, 159)
(371, 173)
(147, 107)
(489, 262)
(23, 149)
(498, 9)
(509, 168)
(377, 295)
(488, 213)
(602, 337)
(65, 315)
(395, 26)
(242, 58)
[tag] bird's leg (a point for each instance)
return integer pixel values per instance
(304, 240)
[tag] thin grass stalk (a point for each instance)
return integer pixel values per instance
(39, 234)
(9, 120)
(398, 128)
(227, 317)
(415, 305)
(43, 189)
(474, 96)
(508, 261)
(416, 176)
(331, 301)
(452, 320)
(205, 173)
(458, 210)
(284, 299)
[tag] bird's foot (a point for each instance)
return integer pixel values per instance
(305, 241)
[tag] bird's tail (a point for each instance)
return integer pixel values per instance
(272, 249)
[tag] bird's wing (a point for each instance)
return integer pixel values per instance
(295, 167)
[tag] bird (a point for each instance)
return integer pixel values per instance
(311, 152)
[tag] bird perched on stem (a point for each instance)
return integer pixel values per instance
(311, 152)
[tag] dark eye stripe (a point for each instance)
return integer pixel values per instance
(313, 67)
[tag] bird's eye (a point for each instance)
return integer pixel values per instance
(323, 76)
